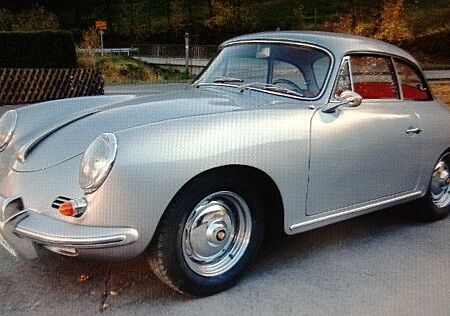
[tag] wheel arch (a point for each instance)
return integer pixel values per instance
(270, 193)
(429, 175)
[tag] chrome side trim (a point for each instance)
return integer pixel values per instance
(354, 210)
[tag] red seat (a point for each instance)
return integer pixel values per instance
(413, 93)
(376, 90)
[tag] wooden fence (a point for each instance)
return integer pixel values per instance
(21, 86)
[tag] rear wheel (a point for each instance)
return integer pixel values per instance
(208, 236)
(436, 203)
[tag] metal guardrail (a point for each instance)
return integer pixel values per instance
(176, 51)
(91, 51)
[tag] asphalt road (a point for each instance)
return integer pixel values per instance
(384, 263)
(437, 74)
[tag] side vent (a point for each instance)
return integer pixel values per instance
(60, 200)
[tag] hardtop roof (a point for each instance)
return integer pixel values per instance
(337, 43)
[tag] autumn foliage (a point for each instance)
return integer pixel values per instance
(393, 26)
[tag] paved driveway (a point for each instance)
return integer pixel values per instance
(384, 263)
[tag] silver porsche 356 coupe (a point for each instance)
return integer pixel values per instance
(283, 130)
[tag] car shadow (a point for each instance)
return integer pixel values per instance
(110, 285)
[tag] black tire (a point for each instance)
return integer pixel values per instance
(428, 211)
(166, 257)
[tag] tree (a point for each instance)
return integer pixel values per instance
(90, 39)
(230, 17)
(35, 19)
(179, 20)
(6, 20)
(342, 25)
(393, 26)
(134, 20)
(299, 16)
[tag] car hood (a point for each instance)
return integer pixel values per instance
(63, 139)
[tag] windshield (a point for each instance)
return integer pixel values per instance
(291, 69)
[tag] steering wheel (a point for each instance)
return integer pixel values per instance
(290, 83)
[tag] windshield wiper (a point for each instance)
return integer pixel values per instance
(227, 80)
(269, 87)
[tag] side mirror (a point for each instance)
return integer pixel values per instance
(347, 98)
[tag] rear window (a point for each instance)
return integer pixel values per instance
(414, 87)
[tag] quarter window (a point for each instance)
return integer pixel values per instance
(412, 84)
(374, 77)
(343, 81)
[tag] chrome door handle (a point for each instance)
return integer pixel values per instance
(414, 130)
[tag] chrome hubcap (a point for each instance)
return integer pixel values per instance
(216, 233)
(440, 183)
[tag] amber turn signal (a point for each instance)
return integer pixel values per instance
(73, 208)
(67, 209)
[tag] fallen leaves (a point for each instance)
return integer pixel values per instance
(83, 278)
(114, 293)
(105, 306)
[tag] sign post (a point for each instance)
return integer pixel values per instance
(101, 27)
(101, 40)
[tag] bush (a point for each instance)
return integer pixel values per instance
(50, 49)
(117, 69)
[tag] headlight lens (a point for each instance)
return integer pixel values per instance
(97, 162)
(7, 126)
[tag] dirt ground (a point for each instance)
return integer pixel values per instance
(442, 91)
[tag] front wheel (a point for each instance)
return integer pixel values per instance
(208, 236)
(436, 203)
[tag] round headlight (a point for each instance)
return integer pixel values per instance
(7, 126)
(97, 162)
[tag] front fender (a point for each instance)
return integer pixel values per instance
(156, 160)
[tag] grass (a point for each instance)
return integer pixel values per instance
(126, 70)
(442, 91)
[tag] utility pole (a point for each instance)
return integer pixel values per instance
(186, 48)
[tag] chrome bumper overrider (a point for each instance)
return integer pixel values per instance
(21, 229)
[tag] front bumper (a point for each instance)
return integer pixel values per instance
(21, 230)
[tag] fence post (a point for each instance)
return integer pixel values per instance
(186, 47)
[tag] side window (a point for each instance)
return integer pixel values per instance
(283, 70)
(343, 80)
(413, 86)
(374, 77)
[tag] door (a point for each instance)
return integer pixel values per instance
(365, 153)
